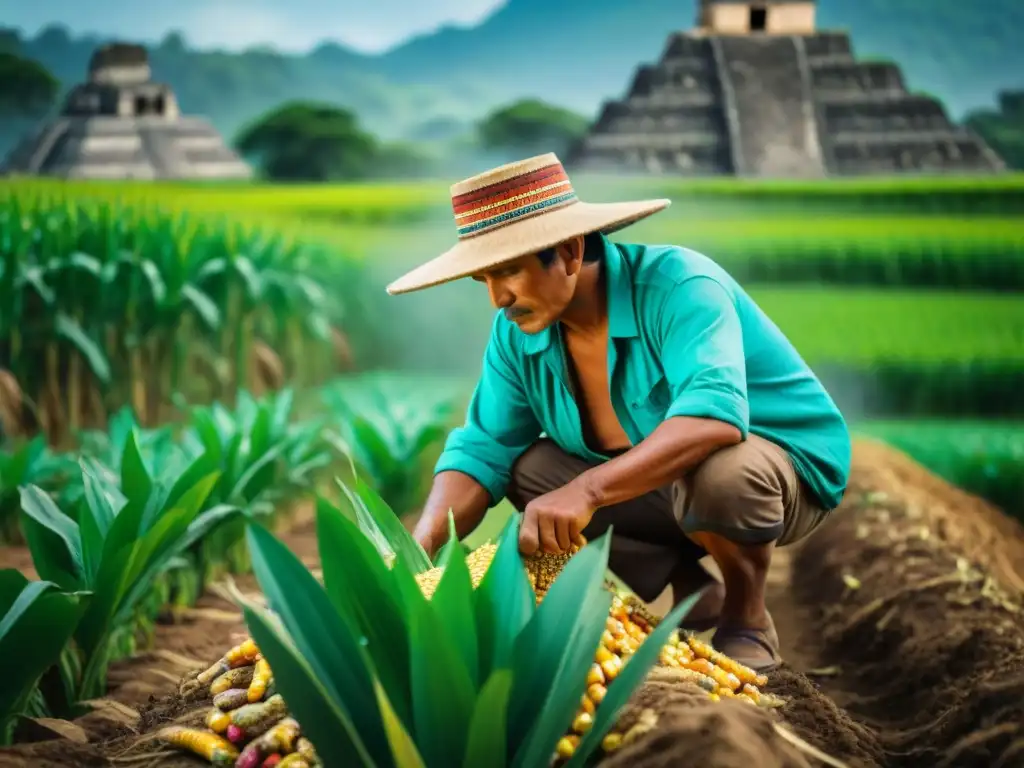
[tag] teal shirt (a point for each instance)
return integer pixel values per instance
(684, 340)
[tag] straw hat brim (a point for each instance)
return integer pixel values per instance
(488, 250)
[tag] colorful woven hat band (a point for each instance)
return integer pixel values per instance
(513, 199)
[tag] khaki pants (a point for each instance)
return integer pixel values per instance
(748, 493)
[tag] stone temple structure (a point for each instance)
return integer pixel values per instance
(122, 125)
(757, 90)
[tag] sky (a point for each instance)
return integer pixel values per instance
(288, 25)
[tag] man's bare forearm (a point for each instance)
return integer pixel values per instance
(674, 448)
(468, 501)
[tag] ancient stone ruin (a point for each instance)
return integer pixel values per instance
(757, 90)
(122, 125)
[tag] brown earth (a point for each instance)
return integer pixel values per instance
(900, 624)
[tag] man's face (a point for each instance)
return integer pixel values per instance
(534, 294)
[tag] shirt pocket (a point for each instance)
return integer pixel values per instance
(651, 403)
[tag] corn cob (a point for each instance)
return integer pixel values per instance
(239, 677)
(230, 699)
(260, 681)
(209, 746)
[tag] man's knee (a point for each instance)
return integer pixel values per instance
(740, 493)
(541, 468)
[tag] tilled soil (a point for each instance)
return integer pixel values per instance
(900, 624)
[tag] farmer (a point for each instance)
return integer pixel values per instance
(636, 386)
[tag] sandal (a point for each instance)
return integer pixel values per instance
(757, 649)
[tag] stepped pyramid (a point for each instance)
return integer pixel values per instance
(122, 125)
(757, 91)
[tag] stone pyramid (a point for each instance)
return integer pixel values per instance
(756, 90)
(122, 125)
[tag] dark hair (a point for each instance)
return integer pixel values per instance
(593, 248)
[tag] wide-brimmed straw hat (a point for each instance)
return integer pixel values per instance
(516, 210)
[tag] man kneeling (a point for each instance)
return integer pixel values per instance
(634, 386)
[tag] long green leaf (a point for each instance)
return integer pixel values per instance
(374, 604)
(406, 548)
(327, 725)
(443, 693)
(504, 602)
(487, 743)
(555, 651)
(403, 750)
(56, 543)
(449, 546)
(36, 624)
(329, 644)
(629, 679)
(453, 603)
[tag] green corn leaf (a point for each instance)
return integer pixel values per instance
(36, 624)
(554, 653)
(329, 644)
(326, 724)
(403, 750)
(449, 546)
(69, 330)
(53, 538)
(487, 742)
(504, 602)
(453, 604)
(380, 522)
(103, 499)
(628, 680)
(443, 693)
(374, 606)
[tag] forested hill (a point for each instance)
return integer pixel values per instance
(574, 53)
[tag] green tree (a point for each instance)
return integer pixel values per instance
(1003, 129)
(309, 141)
(531, 126)
(27, 89)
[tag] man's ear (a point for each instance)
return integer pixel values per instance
(571, 252)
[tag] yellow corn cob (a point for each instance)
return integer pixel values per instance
(260, 680)
(243, 653)
(218, 751)
(239, 677)
(218, 721)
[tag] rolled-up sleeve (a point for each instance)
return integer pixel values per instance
(702, 353)
(499, 426)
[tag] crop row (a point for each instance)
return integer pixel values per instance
(983, 457)
(412, 200)
(133, 518)
(104, 305)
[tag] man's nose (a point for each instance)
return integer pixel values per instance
(500, 298)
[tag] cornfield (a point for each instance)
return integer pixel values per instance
(104, 305)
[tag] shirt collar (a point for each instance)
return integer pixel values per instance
(621, 311)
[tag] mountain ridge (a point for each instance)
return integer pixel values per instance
(574, 53)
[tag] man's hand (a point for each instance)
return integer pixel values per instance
(555, 521)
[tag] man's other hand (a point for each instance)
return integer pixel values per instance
(555, 521)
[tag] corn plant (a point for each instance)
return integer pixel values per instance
(104, 304)
(363, 660)
(37, 621)
(126, 532)
(263, 460)
(389, 432)
(30, 462)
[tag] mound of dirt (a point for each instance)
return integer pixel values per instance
(930, 643)
(680, 727)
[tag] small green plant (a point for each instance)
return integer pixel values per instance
(363, 660)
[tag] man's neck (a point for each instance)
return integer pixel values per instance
(587, 313)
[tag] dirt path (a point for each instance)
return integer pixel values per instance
(902, 649)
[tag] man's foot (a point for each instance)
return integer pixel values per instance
(757, 649)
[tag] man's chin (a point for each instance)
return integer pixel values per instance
(529, 324)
